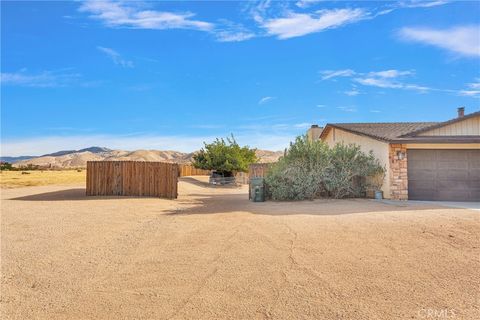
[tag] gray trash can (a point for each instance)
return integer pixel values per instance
(257, 190)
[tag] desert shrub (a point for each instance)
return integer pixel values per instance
(347, 172)
(6, 166)
(310, 169)
(298, 174)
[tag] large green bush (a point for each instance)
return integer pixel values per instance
(310, 169)
(224, 156)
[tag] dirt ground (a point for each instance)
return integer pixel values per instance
(26, 178)
(212, 254)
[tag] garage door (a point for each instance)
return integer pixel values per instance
(450, 175)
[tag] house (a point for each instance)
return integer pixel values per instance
(424, 160)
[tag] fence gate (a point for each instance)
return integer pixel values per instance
(132, 178)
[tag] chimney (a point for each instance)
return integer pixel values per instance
(461, 112)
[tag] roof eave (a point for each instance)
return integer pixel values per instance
(354, 132)
(437, 139)
(441, 124)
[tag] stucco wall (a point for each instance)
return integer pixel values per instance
(380, 150)
(313, 133)
(468, 127)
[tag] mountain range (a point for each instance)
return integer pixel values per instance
(78, 158)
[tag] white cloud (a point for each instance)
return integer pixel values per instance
(473, 89)
(469, 93)
(44, 79)
(353, 92)
(116, 57)
(299, 24)
(390, 73)
(307, 3)
(265, 100)
(375, 111)
(134, 15)
(422, 3)
(382, 79)
(462, 40)
(321, 106)
(378, 82)
(228, 36)
(302, 125)
(347, 109)
(328, 74)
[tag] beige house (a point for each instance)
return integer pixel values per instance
(424, 160)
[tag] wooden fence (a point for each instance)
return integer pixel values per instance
(258, 170)
(189, 170)
(132, 178)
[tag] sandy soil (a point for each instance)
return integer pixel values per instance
(212, 254)
(24, 178)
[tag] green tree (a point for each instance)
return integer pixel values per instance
(224, 156)
(6, 166)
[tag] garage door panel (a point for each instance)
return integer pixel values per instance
(426, 174)
(474, 174)
(451, 175)
(450, 155)
(419, 155)
(463, 165)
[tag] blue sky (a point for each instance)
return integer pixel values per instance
(169, 75)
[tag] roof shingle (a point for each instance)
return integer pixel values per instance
(383, 130)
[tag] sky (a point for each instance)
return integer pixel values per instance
(171, 75)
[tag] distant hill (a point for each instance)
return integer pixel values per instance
(64, 152)
(15, 159)
(78, 158)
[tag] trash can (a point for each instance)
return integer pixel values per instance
(257, 190)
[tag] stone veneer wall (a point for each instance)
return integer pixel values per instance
(398, 172)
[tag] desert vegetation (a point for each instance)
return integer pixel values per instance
(18, 179)
(310, 169)
(225, 156)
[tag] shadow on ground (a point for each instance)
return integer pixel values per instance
(205, 184)
(77, 194)
(198, 203)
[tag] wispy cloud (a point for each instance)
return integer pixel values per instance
(461, 40)
(265, 100)
(329, 74)
(353, 92)
(135, 15)
(299, 24)
(43, 79)
(421, 3)
(116, 57)
(307, 3)
(382, 79)
(229, 31)
(473, 89)
(347, 109)
(303, 125)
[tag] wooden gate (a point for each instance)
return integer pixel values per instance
(189, 170)
(132, 178)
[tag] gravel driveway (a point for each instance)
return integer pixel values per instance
(213, 254)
